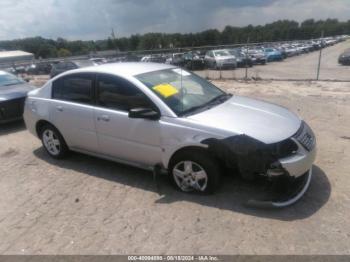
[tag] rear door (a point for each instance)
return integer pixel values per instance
(133, 140)
(72, 110)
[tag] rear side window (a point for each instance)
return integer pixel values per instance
(76, 88)
(117, 93)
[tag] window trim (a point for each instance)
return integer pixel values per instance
(97, 88)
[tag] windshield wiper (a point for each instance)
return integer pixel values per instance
(215, 101)
(219, 99)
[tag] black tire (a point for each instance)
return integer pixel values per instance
(205, 161)
(63, 149)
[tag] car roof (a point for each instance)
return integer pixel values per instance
(125, 68)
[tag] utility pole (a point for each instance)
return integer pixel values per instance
(319, 58)
(114, 41)
(246, 60)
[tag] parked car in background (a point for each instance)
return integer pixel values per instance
(98, 60)
(220, 59)
(19, 69)
(69, 65)
(153, 59)
(13, 91)
(163, 118)
(128, 58)
(273, 54)
(41, 68)
(175, 59)
(291, 51)
(193, 60)
(242, 59)
(258, 56)
(344, 58)
(283, 51)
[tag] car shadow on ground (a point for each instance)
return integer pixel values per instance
(12, 127)
(232, 195)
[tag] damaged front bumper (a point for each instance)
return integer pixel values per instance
(287, 164)
(295, 192)
(295, 172)
(297, 164)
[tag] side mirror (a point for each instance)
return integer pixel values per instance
(144, 113)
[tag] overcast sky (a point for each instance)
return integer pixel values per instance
(94, 19)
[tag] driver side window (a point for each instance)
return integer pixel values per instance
(119, 94)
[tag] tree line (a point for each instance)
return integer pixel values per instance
(282, 30)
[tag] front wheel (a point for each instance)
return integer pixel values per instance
(195, 172)
(53, 142)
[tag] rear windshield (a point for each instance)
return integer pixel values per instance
(84, 63)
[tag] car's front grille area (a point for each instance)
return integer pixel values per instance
(305, 137)
(283, 149)
(11, 109)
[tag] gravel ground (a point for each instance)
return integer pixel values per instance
(84, 205)
(296, 68)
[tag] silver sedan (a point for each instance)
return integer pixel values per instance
(163, 118)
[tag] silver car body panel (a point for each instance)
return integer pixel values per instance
(220, 61)
(266, 122)
(147, 143)
(299, 163)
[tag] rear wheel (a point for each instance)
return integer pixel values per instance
(53, 142)
(195, 172)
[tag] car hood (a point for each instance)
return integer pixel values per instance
(14, 91)
(263, 121)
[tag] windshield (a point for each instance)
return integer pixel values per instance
(182, 91)
(9, 79)
(221, 53)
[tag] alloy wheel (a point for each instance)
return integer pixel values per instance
(190, 176)
(51, 142)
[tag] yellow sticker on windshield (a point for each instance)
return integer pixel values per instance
(166, 90)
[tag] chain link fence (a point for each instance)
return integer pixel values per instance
(315, 59)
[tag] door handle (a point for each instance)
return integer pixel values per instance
(59, 108)
(103, 118)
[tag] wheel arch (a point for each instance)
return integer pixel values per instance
(41, 123)
(185, 148)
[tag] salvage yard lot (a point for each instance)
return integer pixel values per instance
(84, 205)
(299, 67)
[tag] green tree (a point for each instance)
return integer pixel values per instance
(62, 52)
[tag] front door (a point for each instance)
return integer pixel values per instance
(133, 140)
